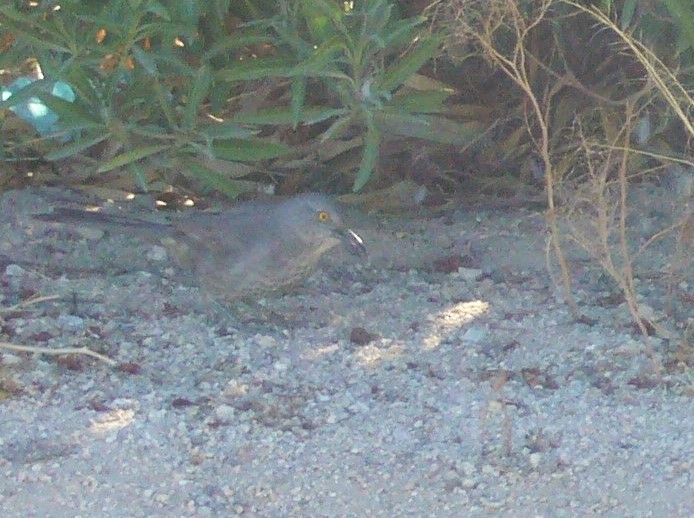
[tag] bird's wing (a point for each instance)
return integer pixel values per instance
(228, 232)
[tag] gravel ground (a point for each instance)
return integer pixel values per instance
(442, 377)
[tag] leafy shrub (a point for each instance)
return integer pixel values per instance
(167, 84)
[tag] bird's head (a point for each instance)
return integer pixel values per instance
(317, 220)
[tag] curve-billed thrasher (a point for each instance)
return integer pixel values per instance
(242, 252)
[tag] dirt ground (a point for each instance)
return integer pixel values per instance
(442, 376)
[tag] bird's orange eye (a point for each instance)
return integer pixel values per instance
(323, 216)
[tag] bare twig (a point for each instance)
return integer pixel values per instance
(36, 299)
(55, 352)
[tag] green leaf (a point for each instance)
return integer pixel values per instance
(420, 102)
(298, 98)
(605, 6)
(239, 150)
(165, 104)
(68, 150)
(321, 16)
(287, 35)
(130, 156)
(237, 41)
(226, 130)
(427, 127)
(323, 57)
(198, 93)
(17, 24)
(138, 172)
(256, 69)
(172, 63)
(413, 61)
(337, 127)
(155, 7)
(628, 13)
(682, 13)
(39, 43)
(369, 158)
(213, 179)
(276, 116)
(67, 112)
(149, 130)
(83, 85)
(375, 19)
(165, 30)
(10, 57)
(145, 59)
(402, 32)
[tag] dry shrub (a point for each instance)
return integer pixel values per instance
(589, 166)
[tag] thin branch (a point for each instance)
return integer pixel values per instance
(35, 299)
(55, 352)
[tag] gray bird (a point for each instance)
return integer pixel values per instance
(242, 252)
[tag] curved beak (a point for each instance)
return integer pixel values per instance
(355, 243)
